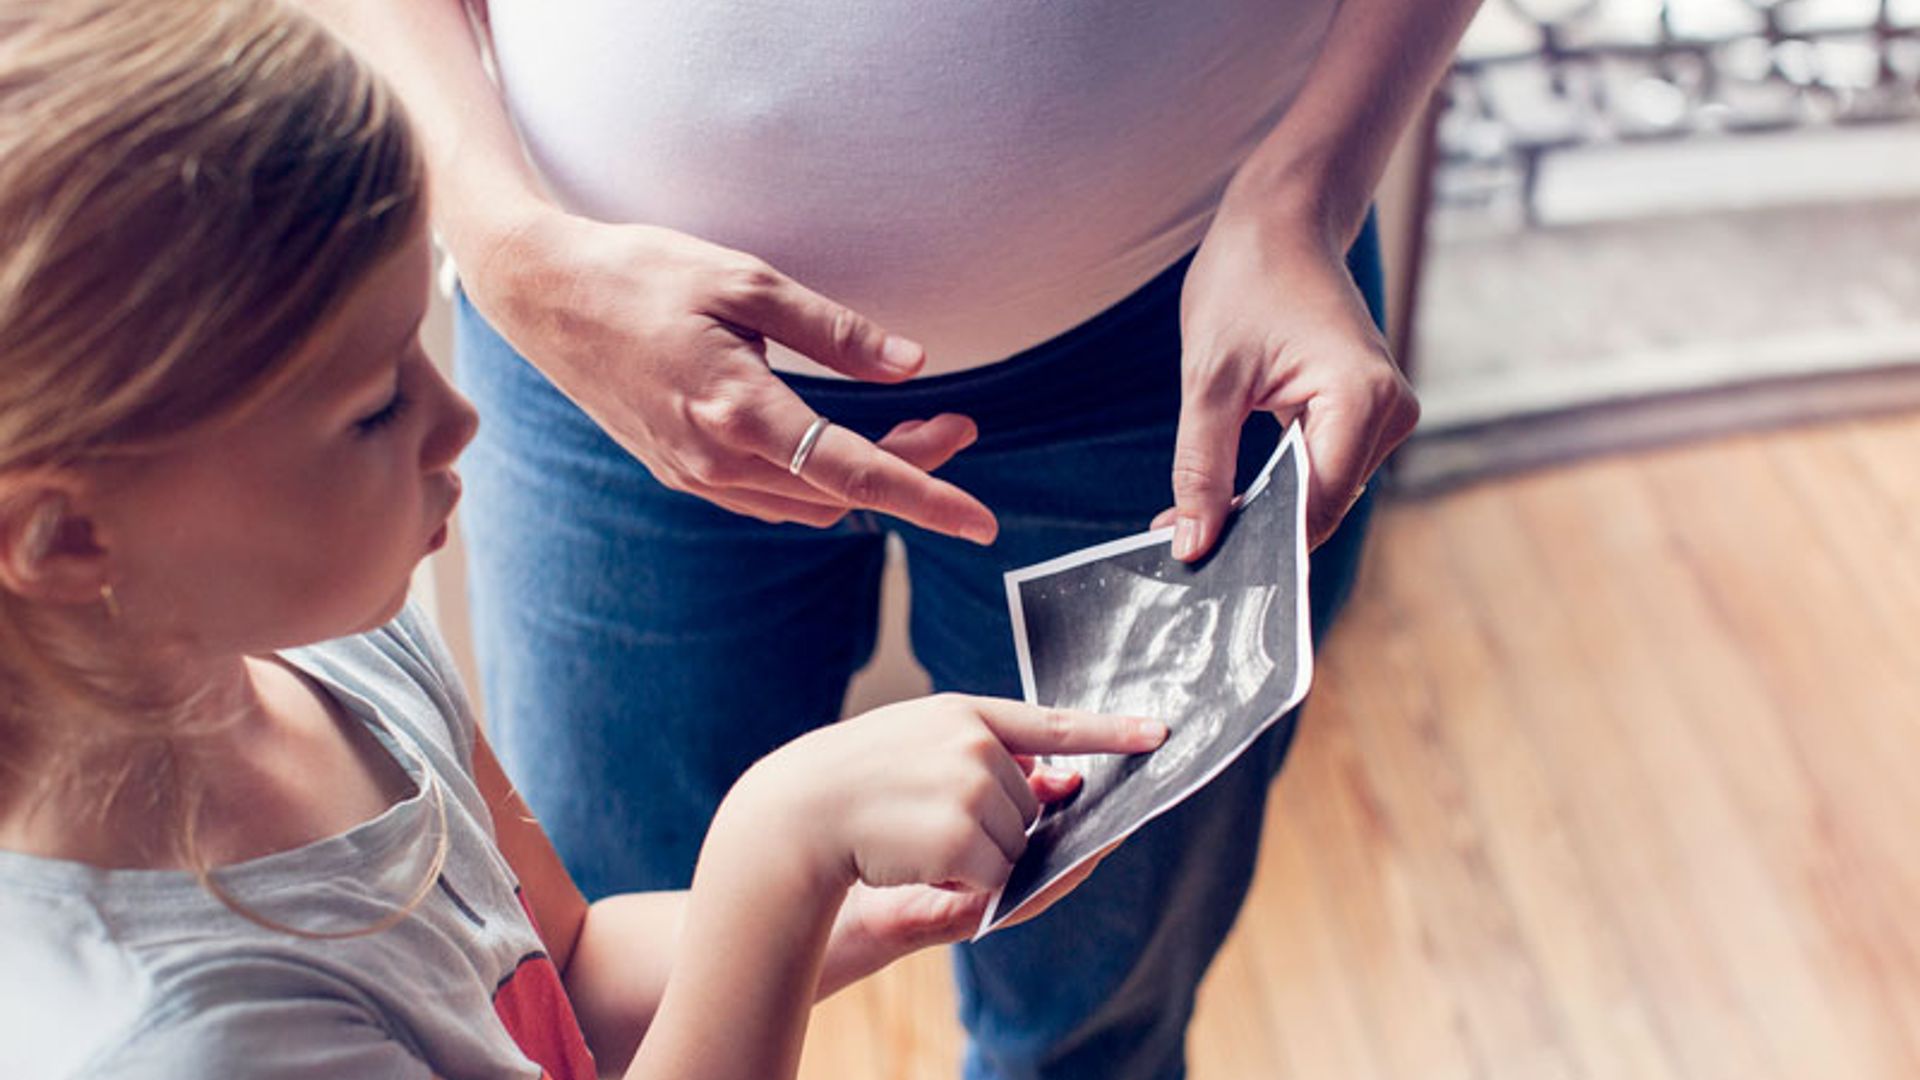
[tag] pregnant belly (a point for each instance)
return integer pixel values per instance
(979, 175)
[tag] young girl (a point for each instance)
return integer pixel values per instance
(226, 850)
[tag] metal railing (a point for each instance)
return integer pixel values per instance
(1535, 77)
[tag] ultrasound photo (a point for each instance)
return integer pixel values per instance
(1217, 650)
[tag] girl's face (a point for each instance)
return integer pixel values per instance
(305, 520)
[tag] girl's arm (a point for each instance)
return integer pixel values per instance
(614, 955)
(926, 791)
(768, 926)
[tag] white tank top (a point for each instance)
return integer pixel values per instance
(979, 175)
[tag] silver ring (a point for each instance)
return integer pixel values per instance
(807, 441)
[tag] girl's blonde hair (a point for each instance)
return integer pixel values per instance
(188, 189)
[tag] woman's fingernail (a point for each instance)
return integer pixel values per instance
(1152, 730)
(1185, 537)
(900, 354)
(1054, 774)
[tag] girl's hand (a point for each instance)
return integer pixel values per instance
(661, 338)
(927, 791)
(875, 927)
(1271, 320)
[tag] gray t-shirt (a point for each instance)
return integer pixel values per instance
(143, 974)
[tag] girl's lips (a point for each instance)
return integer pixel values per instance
(439, 538)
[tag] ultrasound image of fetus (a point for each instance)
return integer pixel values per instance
(1212, 650)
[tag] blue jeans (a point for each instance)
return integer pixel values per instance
(641, 648)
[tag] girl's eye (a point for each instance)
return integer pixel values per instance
(388, 413)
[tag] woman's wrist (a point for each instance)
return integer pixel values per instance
(485, 227)
(1290, 199)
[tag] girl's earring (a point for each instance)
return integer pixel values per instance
(111, 602)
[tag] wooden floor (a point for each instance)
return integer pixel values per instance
(1611, 772)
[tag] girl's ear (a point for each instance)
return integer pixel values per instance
(48, 548)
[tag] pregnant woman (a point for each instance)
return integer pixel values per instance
(750, 285)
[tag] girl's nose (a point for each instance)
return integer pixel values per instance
(454, 422)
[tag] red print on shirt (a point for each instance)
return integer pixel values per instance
(532, 1004)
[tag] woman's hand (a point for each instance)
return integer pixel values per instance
(661, 338)
(1271, 320)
